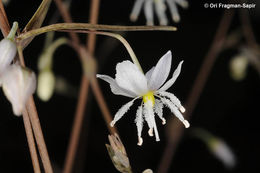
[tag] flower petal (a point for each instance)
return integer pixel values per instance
(160, 72)
(175, 111)
(170, 82)
(136, 10)
(173, 99)
(149, 117)
(174, 10)
(130, 78)
(117, 90)
(160, 11)
(7, 53)
(139, 124)
(122, 111)
(158, 109)
(148, 12)
(149, 74)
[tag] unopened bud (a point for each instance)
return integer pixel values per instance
(46, 85)
(7, 54)
(18, 85)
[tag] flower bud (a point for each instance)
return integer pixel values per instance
(238, 67)
(46, 85)
(18, 85)
(7, 54)
(117, 153)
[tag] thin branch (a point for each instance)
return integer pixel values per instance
(88, 27)
(34, 118)
(77, 124)
(4, 24)
(102, 104)
(84, 87)
(210, 58)
(31, 142)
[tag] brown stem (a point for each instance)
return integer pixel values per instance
(77, 124)
(102, 104)
(247, 28)
(91, 41)
(83, 94)
(34, 118)
(67, 18)
(33, 115)
(197, 88)
(4, 24)
(31, 143)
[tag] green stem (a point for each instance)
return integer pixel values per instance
(88, 27)
(12, 32)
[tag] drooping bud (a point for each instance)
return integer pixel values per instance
(7, 54)
(238, 67)
(46, 85)
(18, 85)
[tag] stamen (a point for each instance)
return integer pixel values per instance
(140, 141)
(182, 109)
(150, 132)
(186, 124)
(163, 121)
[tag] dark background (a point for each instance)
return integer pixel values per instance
(226, 108)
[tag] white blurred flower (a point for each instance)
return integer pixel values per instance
(18, 84)
(46, 85)
(160, 10)
(7, 54)
(238, 66)
(223, 152)
(131, 82)
(148, 171)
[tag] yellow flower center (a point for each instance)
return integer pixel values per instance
(149, 97)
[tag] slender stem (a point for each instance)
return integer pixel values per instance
(94, 10)
(102, 104)
(67, 18)
(247, 28)
(31, 142)
(31, 108)
(4, 24)
(87, 26)
(33, 115)
(77, 124)
(197, 88)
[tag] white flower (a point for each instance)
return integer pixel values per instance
(46, 85)
(160, 10)
(7, 54)
(223, 152)
(18, 84)
(131, 82)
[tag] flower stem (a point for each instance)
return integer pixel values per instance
(88, 27)
(33, 115)
(31, 142)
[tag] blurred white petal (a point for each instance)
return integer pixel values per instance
(136, 10)
(149, 74)
(139, 123)
(148, 12)
(158, 109)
